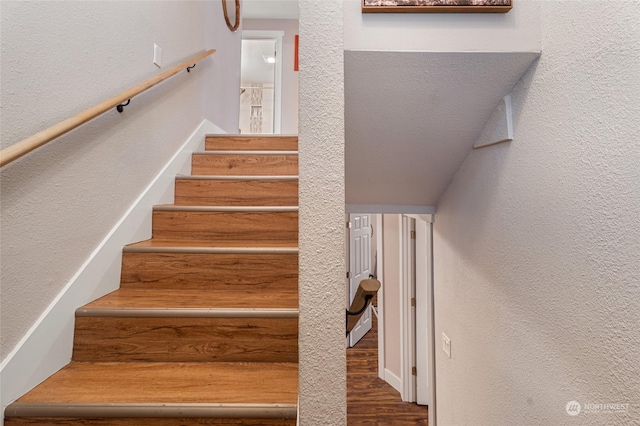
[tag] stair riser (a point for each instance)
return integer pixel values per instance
(116, 339)
(210, 271)
(244, 226)
(257, 143)
(151, 421)
(244, 164)
(189, 192)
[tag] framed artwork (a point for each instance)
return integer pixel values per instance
(436, 6)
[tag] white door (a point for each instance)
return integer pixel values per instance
(359, 268)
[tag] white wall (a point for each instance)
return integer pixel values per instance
(516, 31)
(536, 245)
(289, 76)
(392, 230)
(322, 228)
(59, 58)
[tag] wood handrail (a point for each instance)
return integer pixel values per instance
(367, 289)
(27, 145)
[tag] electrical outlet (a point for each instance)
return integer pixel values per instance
(157, 55)
(446, 345)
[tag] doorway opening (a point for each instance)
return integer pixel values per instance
(401, 319)
(261, 82)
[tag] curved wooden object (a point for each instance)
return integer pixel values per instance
(366, 288)
(27, 145)
(236, 24)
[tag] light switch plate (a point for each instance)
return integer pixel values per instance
(446, 345)
(157, 55)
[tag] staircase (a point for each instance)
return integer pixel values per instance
(204, 326)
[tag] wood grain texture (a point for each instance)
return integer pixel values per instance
(371, 400)
(366, 288)
(244, 164)
(170, 339)
(196, 299)
(200, 225)
(257, 143)
(239, 272)
(168, 244)
(138, 382)
(207, 192)
(138, 421)
(207, 309)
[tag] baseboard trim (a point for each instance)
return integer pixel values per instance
(47, 346)
(393, 380)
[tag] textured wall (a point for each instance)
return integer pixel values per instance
(59, 58)
(537, 241)
(289, 76)
(516, 31)
(322, 225)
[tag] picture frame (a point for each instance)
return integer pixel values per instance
(436, 6)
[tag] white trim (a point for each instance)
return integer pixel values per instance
(389, 209)
(407, 311)
(499, 127)
(47, 346)
(277, 93)
(423, 318)
(393, 380)
(422, 217)
(380, 276)
(431, 327)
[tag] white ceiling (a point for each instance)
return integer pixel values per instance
(270, 9)
(412, 117)
(254, 69)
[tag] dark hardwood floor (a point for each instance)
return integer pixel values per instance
(370, 400)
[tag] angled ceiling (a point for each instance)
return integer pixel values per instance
(412, 117)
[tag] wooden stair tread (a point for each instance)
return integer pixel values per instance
(217, 223)
(222, 244)
(160, 382)
(244, 192)
(245, 152)
(262, 142)
(196, 299)
(226, 209)
(204, 328)
(239, 178)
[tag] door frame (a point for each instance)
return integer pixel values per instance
(380, 310)
(277, 90)
(407, 310)
(424, 320)
(351, 221)
(423, 316)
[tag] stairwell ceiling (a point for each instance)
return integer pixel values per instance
(411, 118)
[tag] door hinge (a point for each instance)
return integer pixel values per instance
(413, 235)
(414, 371)
(348, 275)
(413, 301)
(349, 225)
